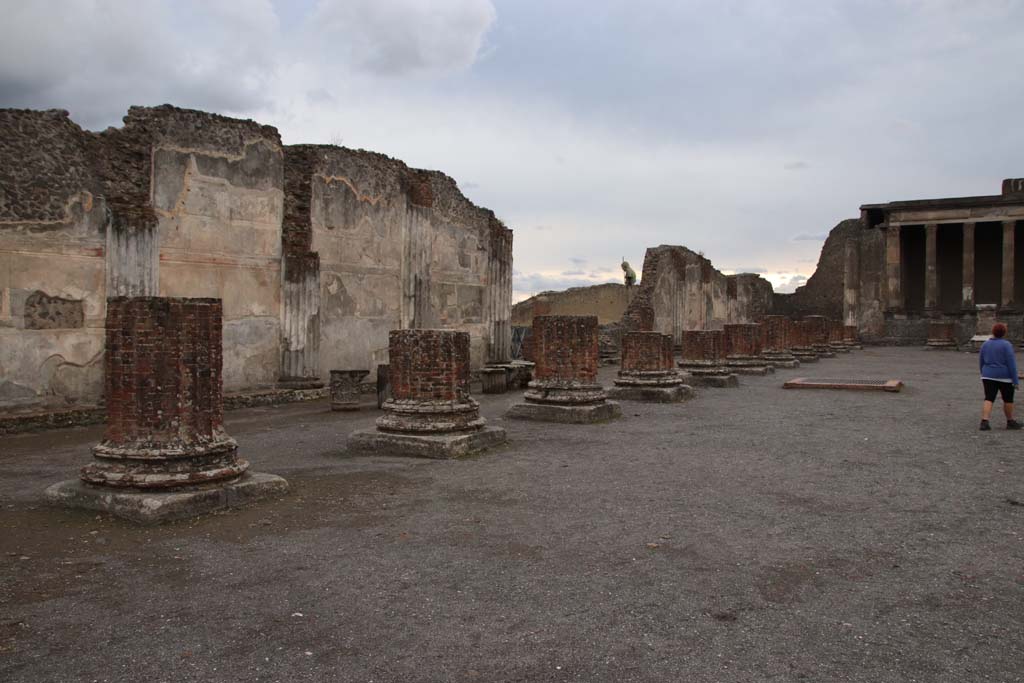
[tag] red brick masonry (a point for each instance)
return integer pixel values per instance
(165, 409)
(565, 348)
(429, 372)
(703, 346)
(743, 339)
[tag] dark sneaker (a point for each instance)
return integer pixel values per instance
(984, 426)
(1013, 424)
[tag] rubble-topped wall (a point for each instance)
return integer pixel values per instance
(822, 294)
(607, 301)
(183, 203)
(400, 248)
(681, 290)
(53, 219)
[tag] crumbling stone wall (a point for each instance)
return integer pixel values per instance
(607, 301)
(182, 203)
(52, 271)
(823, 292)
(681, 290)
(400, 248)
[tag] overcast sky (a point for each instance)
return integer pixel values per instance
(593, 128)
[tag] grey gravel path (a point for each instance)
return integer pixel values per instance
(752, 534)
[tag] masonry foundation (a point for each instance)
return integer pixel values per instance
(941, 335)
(430, 413)
(776, 343)
(648, 370)
(345, 389)
(703, 359)
(164, 454)
(743, 347)
(564, 386)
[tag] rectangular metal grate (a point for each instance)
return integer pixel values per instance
(892, 385)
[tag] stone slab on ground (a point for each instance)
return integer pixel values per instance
(754, 370)
(729, 381)
(891, 385)
(435, 446)
(681, 392)
(153, 507)
(783, 364)
(586, 414)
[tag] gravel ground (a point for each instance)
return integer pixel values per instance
(752, 534)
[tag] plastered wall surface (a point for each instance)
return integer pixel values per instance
(316, 251)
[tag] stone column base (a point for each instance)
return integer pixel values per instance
(781, 360)
(715, 381)
(436, 446)
(565, 413)
(839, 347)
(154, 507)
(652, 394)
(750, 367)
(941, 345)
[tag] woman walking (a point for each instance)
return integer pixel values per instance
(998, 376)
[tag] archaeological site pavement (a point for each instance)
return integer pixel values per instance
(751, 534)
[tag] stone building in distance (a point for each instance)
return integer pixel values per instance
(950, 259)
(316, 251)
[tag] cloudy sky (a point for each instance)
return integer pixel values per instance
(593, 128)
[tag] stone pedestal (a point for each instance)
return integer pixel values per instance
(703, 359)
(648, 370)
(430, 413)
(565, 388)
(345, 388)
(494, 380)
(776, 342)
(743, 347)
(837, 337)
(851, 337)
(941, 335)
(816, 328)
(165, 453)
(800, 345)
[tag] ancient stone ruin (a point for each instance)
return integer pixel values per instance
(430, 413)
(165, 453)
(744, 343)
(316, 251)
(777, 342)
(565, 386)
(648, 371)
(703, 359)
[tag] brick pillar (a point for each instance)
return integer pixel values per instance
(892, 269)
(703, 348)
(851, 333)
(429, 376)
(647, 360)
(817, 328)
(165, 410)
(743, 340)
(775, 329)
(565, 351)
(796, 330)
(968, 267)
(1007, 298)
(931, 267)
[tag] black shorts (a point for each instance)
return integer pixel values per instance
(993, 387)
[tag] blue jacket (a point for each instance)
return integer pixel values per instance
(997, 360)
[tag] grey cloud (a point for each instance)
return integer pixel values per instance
(757, 270)
(790, 286)
(401, 37)
(806, 237)
(796, 166)
(573, 273)
(577, 261)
